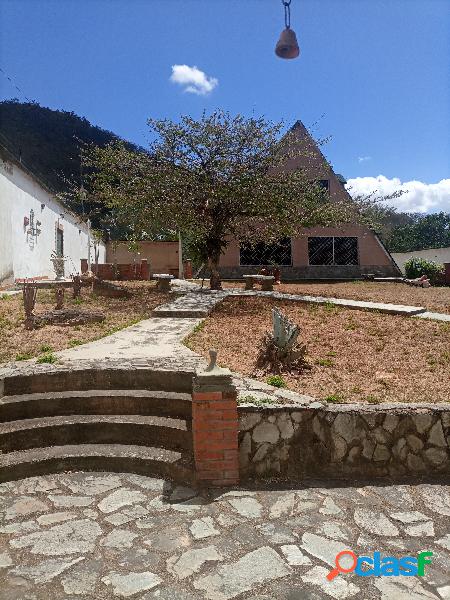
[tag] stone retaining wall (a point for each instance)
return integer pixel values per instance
(351, 441)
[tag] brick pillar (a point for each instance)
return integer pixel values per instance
(447, 273)
(188, 268)
(215, 427)
(84, 265)
(145, 271)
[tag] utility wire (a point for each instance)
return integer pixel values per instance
(12, 82)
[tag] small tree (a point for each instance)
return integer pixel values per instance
(213, 179)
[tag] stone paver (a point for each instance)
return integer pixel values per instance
(248, 544)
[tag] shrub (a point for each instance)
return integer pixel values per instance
(47, 358)
(416, 267)
(23, 356)
(276, 381)
(73, 343)
(336, 398)
(46, 348)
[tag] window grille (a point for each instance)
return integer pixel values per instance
(333, 250)
(262, 254)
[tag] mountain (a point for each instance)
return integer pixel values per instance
(48, 143)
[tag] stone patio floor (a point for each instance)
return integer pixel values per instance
(100, 535)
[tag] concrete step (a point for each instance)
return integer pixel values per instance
(96, 457)
(63, 379)
(96, 402)
(163, 432)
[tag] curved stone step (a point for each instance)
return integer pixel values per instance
(96, 402)
(95, 457)
(95, 429)
(61, 378)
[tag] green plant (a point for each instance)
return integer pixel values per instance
(199, 327)
(249, 399)
(330, 307)
(336, 398)
(324, 362)
(331, 353)
(78, 300)
(45, 348)
(73, 343)
(47, 358)
(372, 400)
(276, 381)
(23, 356)
(416, 267)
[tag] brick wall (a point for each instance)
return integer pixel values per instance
(215, 429)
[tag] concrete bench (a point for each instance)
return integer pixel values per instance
(266, 282)
(163, 281)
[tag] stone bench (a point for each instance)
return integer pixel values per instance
(163, 281)
(266, 282)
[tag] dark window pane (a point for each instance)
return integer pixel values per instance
(324, 184)
(320, 250)
(267, 254)
(345, 250)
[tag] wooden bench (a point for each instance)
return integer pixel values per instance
(163, 281)
(266, 282)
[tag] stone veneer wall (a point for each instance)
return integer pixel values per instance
(350, 441)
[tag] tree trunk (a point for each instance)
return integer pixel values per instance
(215, 283)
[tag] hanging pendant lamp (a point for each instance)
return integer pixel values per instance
(287, 45)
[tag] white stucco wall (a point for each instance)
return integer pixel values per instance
(19, 194)
(6, 253)
(439, 255)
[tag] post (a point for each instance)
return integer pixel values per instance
(180, 257)
(89, 244)
(215, 426)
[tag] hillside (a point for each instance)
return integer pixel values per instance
(48, 141)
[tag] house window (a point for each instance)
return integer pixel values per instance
(324, 184)
(261, 254)
(333, 250)
(59, 241)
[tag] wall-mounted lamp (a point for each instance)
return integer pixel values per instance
(42, 206)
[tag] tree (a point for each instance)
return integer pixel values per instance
(425, 231)
(212, 179)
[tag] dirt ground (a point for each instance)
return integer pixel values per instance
(435, 298)
(355, 356)
(18, 344)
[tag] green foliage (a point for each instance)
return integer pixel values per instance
(47, 358)
(249, 399)
(45, 348)
(23, 356)
(336, 398)
(422, 232)
(416, 267)
(372, 400)
(324, 362)
(276, 381)
(73, 343)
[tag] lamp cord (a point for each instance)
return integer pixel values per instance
(287, 12)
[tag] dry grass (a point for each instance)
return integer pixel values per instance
(435, 298)
(356, 356)
(18, 344)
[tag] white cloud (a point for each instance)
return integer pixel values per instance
(362, 159)
(193, 80)
(419, 197)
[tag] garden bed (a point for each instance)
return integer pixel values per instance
(16, 343)
(355, 356)
(434, 299)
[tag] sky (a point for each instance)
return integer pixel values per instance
(373, 76)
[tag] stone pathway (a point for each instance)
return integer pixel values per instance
(103, 536)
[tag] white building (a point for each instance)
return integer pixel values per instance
(33, 225)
